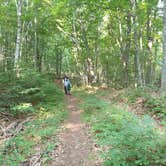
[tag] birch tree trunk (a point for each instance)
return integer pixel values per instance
(149, 48)
(87, 59)
(163, 74)
(75, 40)
(136, 47)
(126, 53)
(18, 37)
(36, 43)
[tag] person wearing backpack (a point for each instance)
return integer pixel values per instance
(67, 85)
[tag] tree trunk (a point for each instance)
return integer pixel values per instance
(163, 74)
(136, 47)
(75, 40)
(149, 48)
(58, 63)
(18, 37)
(87, 61)
(35, 44)
(126, 54)
(96, 54)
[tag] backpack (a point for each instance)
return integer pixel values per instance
(69, 86)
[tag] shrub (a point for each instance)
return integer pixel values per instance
(31, 88)
(153, 104)
(125, 139)
(31, 93)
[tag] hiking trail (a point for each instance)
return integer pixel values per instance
(75, 147)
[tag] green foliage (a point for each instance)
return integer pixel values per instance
(31, 79)
(22, 108)
(37, 95)
(154, 104)
(28, 91)
(103, 30)
(6, 78)
(131, 95)
(131, 143)
(52, 93)
(126, 140)
(36, 133)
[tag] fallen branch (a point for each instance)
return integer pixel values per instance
(20, 126)
(11, 126)
(3, 131)
(13, 129)
(6, 114)
(36, 159)
(4, 118)
(10, 133)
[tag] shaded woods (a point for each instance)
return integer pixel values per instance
(114, 42)
(113, 51)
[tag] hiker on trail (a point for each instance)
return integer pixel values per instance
(67, 85)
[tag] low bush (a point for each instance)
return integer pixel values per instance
(31, 88)
(153, 104)
(125, 139)
(36, 134)
(37, 95)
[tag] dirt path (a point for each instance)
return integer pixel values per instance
(75, 147)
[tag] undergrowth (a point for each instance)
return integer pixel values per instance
(36, 96)
(23, 94)
(151, 102)
(125, 139)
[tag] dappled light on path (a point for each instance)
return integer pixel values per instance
(75, 147)
(73, 126)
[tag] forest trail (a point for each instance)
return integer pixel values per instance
(75, 148)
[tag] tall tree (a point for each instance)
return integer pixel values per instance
(114, 42)
(163, 75)
(18, 37)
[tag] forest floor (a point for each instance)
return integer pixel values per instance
(137, 107)
(86, 134)
(76, 147)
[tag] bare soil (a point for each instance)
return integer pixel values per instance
(76, 147)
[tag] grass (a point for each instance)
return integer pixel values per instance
(36, 96)
(125, 139)
(151, 102)
(38, 133)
